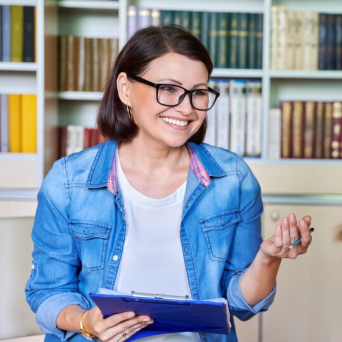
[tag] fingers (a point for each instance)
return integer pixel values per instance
(285, 230)
(126, 334)
(304, 232)
(294, 231)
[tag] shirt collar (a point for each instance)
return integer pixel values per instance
(195, 164)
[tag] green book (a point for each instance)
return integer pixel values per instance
(213, 37)
(166, 17)
(259, 39)
(232, 40)
(185, 17)
(241, 57)
(222, 40)
(177, 18)
(17, 28)
(196, 24)
(205, 22)
(251, 39)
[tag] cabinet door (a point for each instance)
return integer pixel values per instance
(308, 303)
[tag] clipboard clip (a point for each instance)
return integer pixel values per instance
(158, 296)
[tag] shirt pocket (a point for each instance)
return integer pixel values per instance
(218, 230)
(92, 240)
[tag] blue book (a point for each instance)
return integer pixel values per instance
(170, 315)
(28, 49)
(0, 33)
(6, 33)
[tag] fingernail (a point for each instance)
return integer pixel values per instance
(291, 217)
(130, 314)
(302, 223)
(285, 220)
(146, 320)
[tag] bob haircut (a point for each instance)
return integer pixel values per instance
(141, 49)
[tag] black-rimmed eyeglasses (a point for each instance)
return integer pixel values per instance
(172, 95)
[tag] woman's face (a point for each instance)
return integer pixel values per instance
(168, 126)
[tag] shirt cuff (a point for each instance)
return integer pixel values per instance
(237, 301)
(48, 311)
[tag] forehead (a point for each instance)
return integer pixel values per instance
(177, 67)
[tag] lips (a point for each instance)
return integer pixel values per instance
(181, 123)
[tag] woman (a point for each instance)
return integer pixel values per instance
(153, 209)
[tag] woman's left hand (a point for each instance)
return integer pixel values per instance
(279, 245)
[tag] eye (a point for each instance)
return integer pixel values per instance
(199, 92)
(168, 88)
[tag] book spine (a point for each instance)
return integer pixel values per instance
(185, 19)
(95, 65)
(62, 62)
(131, 21)
(242, 41)
(322, 41)
(144, 18)
(70, 64)
(254, 119)
(4, 138)
(196, 24)
(290, 33)
(238, 116)
(336, 130)
(88, 65)
(222, 40)
(213, 37)
(81, 64)
(327, 130)
(298, 41)
(260, 35)
(14, 107)
(274, 145)
(252, 41)
(274, 37)
(281, 38)
(309, 129)
(155, 17)
(319, 130)
(286, 129)
(29, 34)
(338, 43)
(17, 29)
(6, 33)
(177, 18)
(0, 33)
(297, 129)
(233, 38)
(29, 123)
(315, 41)
(307, 40)
(210, 137)
(222, 114)
(330, 42)
(166, 17)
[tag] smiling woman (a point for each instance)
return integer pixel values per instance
(153, 209)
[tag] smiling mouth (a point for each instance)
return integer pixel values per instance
(174, 122)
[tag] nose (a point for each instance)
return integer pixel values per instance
(185, 107)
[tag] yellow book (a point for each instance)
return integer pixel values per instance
(14, 104)
(29, 123)
(17, 26)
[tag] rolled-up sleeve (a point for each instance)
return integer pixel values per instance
(53, 283)
(246, 244)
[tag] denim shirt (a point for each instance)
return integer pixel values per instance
(79, 233)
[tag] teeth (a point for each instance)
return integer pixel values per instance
(175, 122)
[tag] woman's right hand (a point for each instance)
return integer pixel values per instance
(115, 328)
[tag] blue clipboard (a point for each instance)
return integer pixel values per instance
(169, 315)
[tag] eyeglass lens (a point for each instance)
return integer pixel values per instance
(171, 95)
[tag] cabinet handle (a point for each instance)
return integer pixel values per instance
(275, 215)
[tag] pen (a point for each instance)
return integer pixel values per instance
(300, 239)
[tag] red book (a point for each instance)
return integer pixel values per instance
(87, 132)
(286, 118)
(297, 129)
(319, 130)
(336, 136)
(328, 109)
(309, 129)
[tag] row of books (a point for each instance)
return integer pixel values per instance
(75, 138)
(309, 129)
(18, 123)
(17, 33)
(234, 40)
(305, 40)
(85, 63)
(235, 121)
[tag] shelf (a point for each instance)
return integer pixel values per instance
(106, 5)
(19, 2)
(11, 66)
(19, 156)
(243, 73)
(293, 162)
(80, 95)
(328, 74)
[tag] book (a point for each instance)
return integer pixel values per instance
(233, 39)
(237, 97)
(222, 114)
(309, 128)
(307, 40)
(252, 41)
(314, 41)
(286, 129)
(297, 129)
(62, 51)
(336, 130)
(155, 17)
(274, 133)
(70, 64)
(330, 42)
(14, 109)
(298, 40)
(17, 29)
(4, 138)
(185, 19)
(338, 43)
(6, 33)
(290, 38)
(95, 65)
(29, 34)
(254, 118)
(144, 18)
(166, 17)
(205, 23)
(274, 22)
(81, 65)
(319, 130)
(322, 38)
(213, 36)
(259, 43)
(222, 40)
(28, 123)
(327, 135)
(196, 24)
(132, 21)
(241, 51)
(281, 36)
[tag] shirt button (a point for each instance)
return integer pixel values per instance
(115, 258)
(32, 267)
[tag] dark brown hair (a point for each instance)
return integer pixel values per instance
(142, 48)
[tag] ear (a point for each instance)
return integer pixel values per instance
(124, 86)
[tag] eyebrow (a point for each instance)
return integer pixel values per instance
(180, 83)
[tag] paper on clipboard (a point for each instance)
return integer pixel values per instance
(169, 315)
